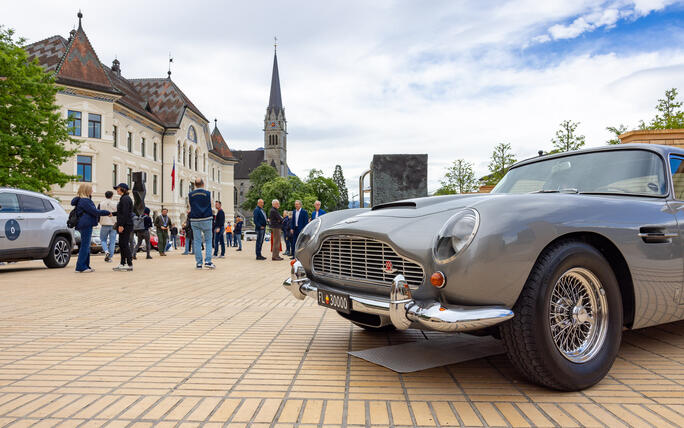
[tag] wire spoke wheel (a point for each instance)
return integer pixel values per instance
(578, 315)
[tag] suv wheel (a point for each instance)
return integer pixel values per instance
(568, 319)
(60, 253)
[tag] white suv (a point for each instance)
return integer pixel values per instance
(33, 226)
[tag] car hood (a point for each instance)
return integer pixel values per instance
(419, 207)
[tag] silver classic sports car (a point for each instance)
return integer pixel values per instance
(566, 252)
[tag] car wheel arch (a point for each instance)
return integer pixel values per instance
(615, 259)
(64, 234)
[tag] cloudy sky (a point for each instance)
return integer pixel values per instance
(447, 78)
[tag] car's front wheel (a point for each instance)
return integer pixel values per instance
(568, 319)
(60, 253)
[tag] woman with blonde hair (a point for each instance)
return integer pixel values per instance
(88, 217)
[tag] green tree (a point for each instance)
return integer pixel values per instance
(670, 115)
(616, 131)
(33, 134)
(325, 190)
(502, 159)
(260, 176)
(459, 178)
(338, 178)
(566, 138)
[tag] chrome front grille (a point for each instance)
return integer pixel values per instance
(365, 260)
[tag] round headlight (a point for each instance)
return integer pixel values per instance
(456, 234)
(308, 233)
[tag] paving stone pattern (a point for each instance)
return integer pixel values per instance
(167, 345)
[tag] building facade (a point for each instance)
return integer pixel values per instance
(128, 125)
(274, 151)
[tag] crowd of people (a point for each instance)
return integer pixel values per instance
(286, 226)
(204, 231)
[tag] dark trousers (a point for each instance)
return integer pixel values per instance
(124, 245)
(163, 238)
(288, 242)
(143, 235)
(261, 233)
(83, 261)
(218, 239)
(229, 239)
(294, 241)
(188, 241)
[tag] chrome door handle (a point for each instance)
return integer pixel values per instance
(655, 235)
(19, 217)
(50, 218)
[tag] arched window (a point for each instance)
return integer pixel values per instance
(192, 135)
(196, 156)
(235, 199)
(179, 150)
(219, 176)
(275, 140)
(189, 157)
(204, 163)
(183, 154)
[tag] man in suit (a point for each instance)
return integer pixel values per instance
(300, 218)
(219, 221)
(260, 226)
(317, 212)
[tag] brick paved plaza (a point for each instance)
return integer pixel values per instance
(168, 345)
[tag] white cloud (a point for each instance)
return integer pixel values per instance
(361, 78)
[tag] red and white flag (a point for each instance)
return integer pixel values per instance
(173, 176)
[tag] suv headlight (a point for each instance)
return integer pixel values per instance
(456, 234)
(309, 232)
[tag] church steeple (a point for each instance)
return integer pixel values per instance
(275, 124)
(275, 101)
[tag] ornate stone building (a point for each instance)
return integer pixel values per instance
(274, 151)
(126, 125)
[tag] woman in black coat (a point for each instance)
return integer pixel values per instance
(124, 222)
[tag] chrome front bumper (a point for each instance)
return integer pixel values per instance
(403, 311)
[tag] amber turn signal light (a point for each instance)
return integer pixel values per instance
(438, 279)
(292, 262)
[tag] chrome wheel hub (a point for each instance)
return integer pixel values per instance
(578, 315)
(61, 252)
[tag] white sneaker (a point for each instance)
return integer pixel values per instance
(120, 268)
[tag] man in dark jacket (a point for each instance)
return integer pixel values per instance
(124, 223)
(201, 220)
(163, 224)
(219, 221)
(144, 234)
(300, 218)
(237, 233)
(260, 226)
(276, 229)
(286, 232)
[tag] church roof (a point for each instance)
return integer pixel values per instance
(275, 101)
(219, 145)
(248, 160)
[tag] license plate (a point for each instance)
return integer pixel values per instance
(337, 301)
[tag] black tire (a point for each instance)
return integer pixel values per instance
(528, 336)
(388, 327)
(60, 253)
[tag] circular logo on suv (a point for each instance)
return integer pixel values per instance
(12, 229)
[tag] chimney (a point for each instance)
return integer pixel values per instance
(116, 67)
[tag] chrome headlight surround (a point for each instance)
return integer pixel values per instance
(308, 234)
(456, 235)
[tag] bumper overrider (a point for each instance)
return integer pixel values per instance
(403, 311)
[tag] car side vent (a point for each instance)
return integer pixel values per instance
(394, 205)
(655, 235)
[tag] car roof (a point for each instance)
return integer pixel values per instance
(656, 148)
(27, 192)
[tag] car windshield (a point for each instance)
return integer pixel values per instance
(619, 172)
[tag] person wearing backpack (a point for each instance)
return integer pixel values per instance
(88, 217)
(124, 225)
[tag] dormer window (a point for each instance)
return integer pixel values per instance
(192, 135)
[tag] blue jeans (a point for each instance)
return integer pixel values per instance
(219, 240)
(238, 240)
(261, 233)
(108, 239)
(202, 228)
(83, 261)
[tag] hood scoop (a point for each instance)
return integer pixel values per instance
(398, 204)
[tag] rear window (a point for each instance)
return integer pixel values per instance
(9, 203)
(31, 204)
